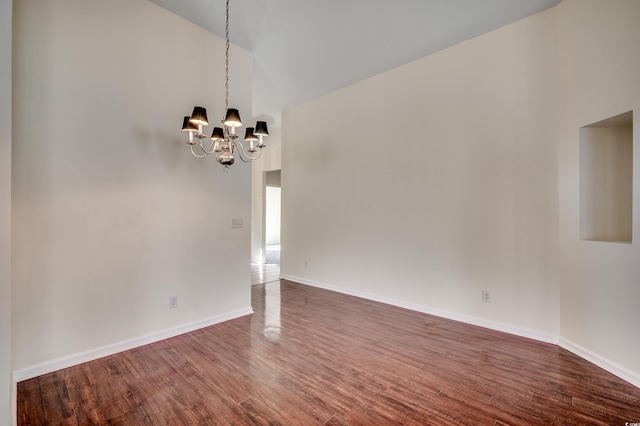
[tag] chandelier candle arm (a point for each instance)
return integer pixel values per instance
(208, 151)
(242, 153)
(196, 155)
(223, 139)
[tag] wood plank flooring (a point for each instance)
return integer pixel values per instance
(310, 356)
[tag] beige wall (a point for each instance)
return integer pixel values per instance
(5, 211)
(112, 214)
(427, 184)
(459, 172)
(598, 71)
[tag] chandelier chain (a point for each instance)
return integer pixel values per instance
(223, 139)
(226, 69)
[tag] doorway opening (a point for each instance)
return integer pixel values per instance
(272, 224)
(267, 269)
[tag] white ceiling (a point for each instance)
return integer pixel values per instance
(306, 48)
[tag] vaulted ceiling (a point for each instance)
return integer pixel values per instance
(303, 49)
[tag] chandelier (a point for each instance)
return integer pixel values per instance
(223, 139)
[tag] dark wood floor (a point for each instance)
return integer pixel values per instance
(309, 356)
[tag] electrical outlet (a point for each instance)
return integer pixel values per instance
(236, 223)
(486, 296)
(173, 302)
(306, 265)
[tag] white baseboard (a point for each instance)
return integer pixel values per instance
(613, 368)
(79, 358)
(493, 325)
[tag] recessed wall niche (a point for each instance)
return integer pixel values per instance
(606, 179)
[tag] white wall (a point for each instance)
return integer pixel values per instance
(273, 213)
(112, 214)
(427, 184)
(598, 73)
(5, 211)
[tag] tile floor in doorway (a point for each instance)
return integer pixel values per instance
(262, 273)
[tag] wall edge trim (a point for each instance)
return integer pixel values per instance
(467, 319)
(610, 366)
(14, 400)
(93, 354)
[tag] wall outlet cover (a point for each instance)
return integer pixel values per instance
(173, 302)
